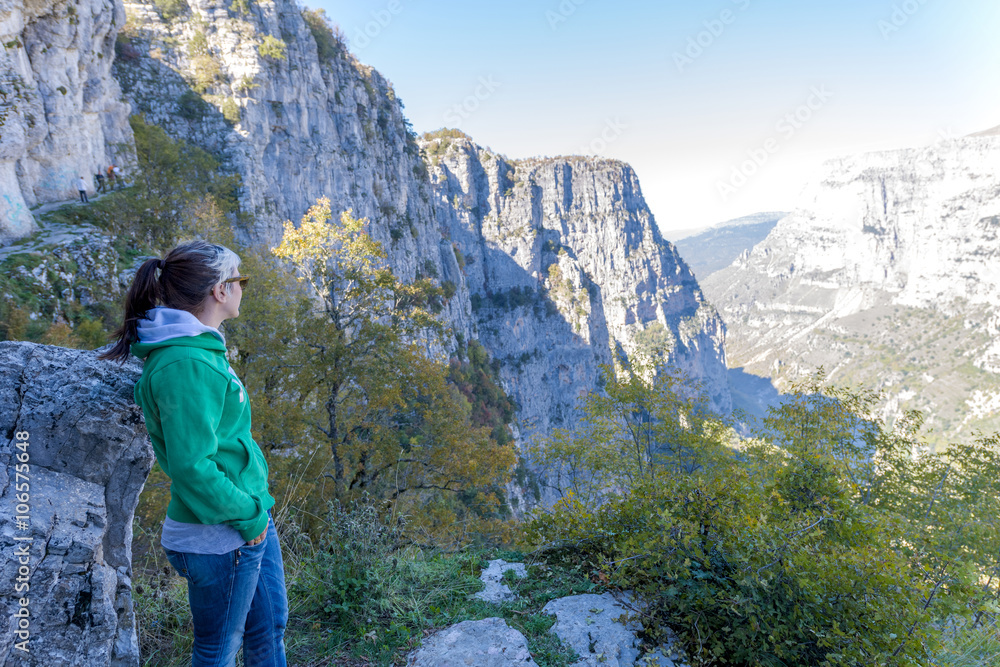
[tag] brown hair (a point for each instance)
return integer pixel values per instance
(182, 280)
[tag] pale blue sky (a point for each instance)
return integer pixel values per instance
(550, 78)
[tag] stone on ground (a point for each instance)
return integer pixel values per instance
(587, 624)
(492, 577)
(487, 643)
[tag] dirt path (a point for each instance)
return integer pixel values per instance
(50, 233)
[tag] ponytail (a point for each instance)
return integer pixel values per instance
(143, 295)
(186, 277)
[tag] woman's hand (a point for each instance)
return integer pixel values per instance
(258, 539)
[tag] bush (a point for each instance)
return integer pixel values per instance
(273, 49)
(190, 106)
(171, 9)
(330, 41)
(231, 110)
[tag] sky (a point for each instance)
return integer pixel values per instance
(724, 108)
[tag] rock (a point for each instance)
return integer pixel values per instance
(492, 578)
(486, 643)
(587, 623)
(88, 457)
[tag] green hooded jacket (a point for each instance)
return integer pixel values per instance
(198, 418)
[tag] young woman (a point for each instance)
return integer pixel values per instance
(218, 533)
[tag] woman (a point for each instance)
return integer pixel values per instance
(218, 533)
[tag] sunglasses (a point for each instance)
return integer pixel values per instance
(242, 280)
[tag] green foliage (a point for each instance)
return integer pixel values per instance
(479, 382)
(241, 7)
(273, 48)
(348, 580)
(205, 66)
(170, 10)
(190, 106)
(231, 110)
(819, 541)
(330, 41)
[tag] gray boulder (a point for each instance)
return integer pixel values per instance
(492, 577)
(88, 457)
(486, 643)
(588, 624)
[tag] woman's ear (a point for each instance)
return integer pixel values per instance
(219, 292)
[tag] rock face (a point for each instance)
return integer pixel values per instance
(87, 458)
(486, 643)
(61, 116)
(567, 270)
(887, 273)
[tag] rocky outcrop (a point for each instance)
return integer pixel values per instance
(885, 274)
(61, 116)
(486, 643)
(72, 424)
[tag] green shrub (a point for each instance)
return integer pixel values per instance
(273, 49)
(330, 40)
(171, 9)
(231, 110)
(350, 574)
(191, 106)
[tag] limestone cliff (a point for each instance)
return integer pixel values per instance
(887, 273)
(61, 116)
(566, 267)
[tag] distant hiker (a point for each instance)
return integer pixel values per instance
(99, 177)
(81, 185)
(111, 177)
(118, 176)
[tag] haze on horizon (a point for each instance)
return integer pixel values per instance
(688, 93)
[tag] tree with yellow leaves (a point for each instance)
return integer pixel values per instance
(352, 366)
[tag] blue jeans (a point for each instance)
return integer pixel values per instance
(237, 596)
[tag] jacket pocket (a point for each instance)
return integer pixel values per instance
(255, 466)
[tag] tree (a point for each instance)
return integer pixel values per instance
(353, 366)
